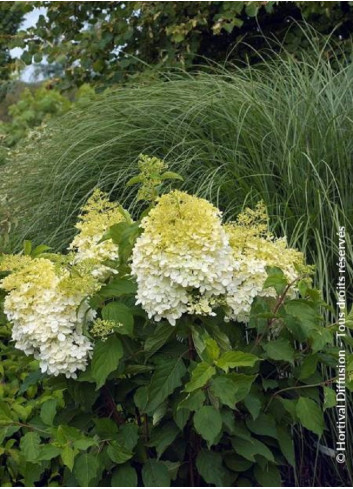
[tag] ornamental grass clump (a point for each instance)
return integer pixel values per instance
(177, 349)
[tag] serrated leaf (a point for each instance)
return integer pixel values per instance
(165, 379)
(124, 476)
(160, 336)
(290, 405)
(329, 398)
(68, 456)
(308, 367)
(118, 288)
(85, 468)
(232, 359)
(48, 411)
(209, 466)
(48, 452)
(304, 318)
(275, 279)
(162, 437)
(285, 441)
(121, 315)
(253, 405)
(248, 448)
(118, 453)
(193, 401)
(29, 445)
(310, 415)
(224, 388)
(280, 349)
(155, 474)
(264, 425)
(128, 435)
(105, 359)
(201, 374)
(268, 476)
(208, 423)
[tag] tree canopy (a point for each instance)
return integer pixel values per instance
(108, 41)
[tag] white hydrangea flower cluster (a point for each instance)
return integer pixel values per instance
(47, 298)
(186, 261)
(182, 261)
(46, 310)
(97, 216)
(255, 249)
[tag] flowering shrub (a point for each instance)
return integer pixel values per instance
(190, 348)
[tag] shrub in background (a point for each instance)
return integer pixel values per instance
(37, 107)
(212, 400)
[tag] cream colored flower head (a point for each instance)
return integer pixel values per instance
(95, 219)
(46, 304)
(183, 259)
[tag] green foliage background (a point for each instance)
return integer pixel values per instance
(115, 40)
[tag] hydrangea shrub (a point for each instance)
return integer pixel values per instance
(175, 350)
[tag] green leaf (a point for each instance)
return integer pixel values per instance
(268, 476)
(224, 388)
(121, 315)
(118, 232)
(48, 411)
(162, 437)
(165, 379)
(275, 279)
(280, 349)
(242, 385)
(264, 425)
(118, 288)
(29, 445)
(84, 443)
(308, 367)
(155, 474)
(124, 476)
(329, 398)
(40, 249)
(193, 401)
(210, 467)
(85, 468)
(290, 405)
(68, 456)
(181, 417)
(128, 435)
(118, 453)
(286, 445)
(302, 320)
(169, 175)
(32, 379)
(253, 405)
(310, 415)
(208, 423)
(232, 359)
(251, 9)
(48, 452)
(320, 338)
(134, 180)
(236, 463)
(105, 359)
(200, 376)
(160, 336)
(248, 448)
(27, 247)
(31, 473)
